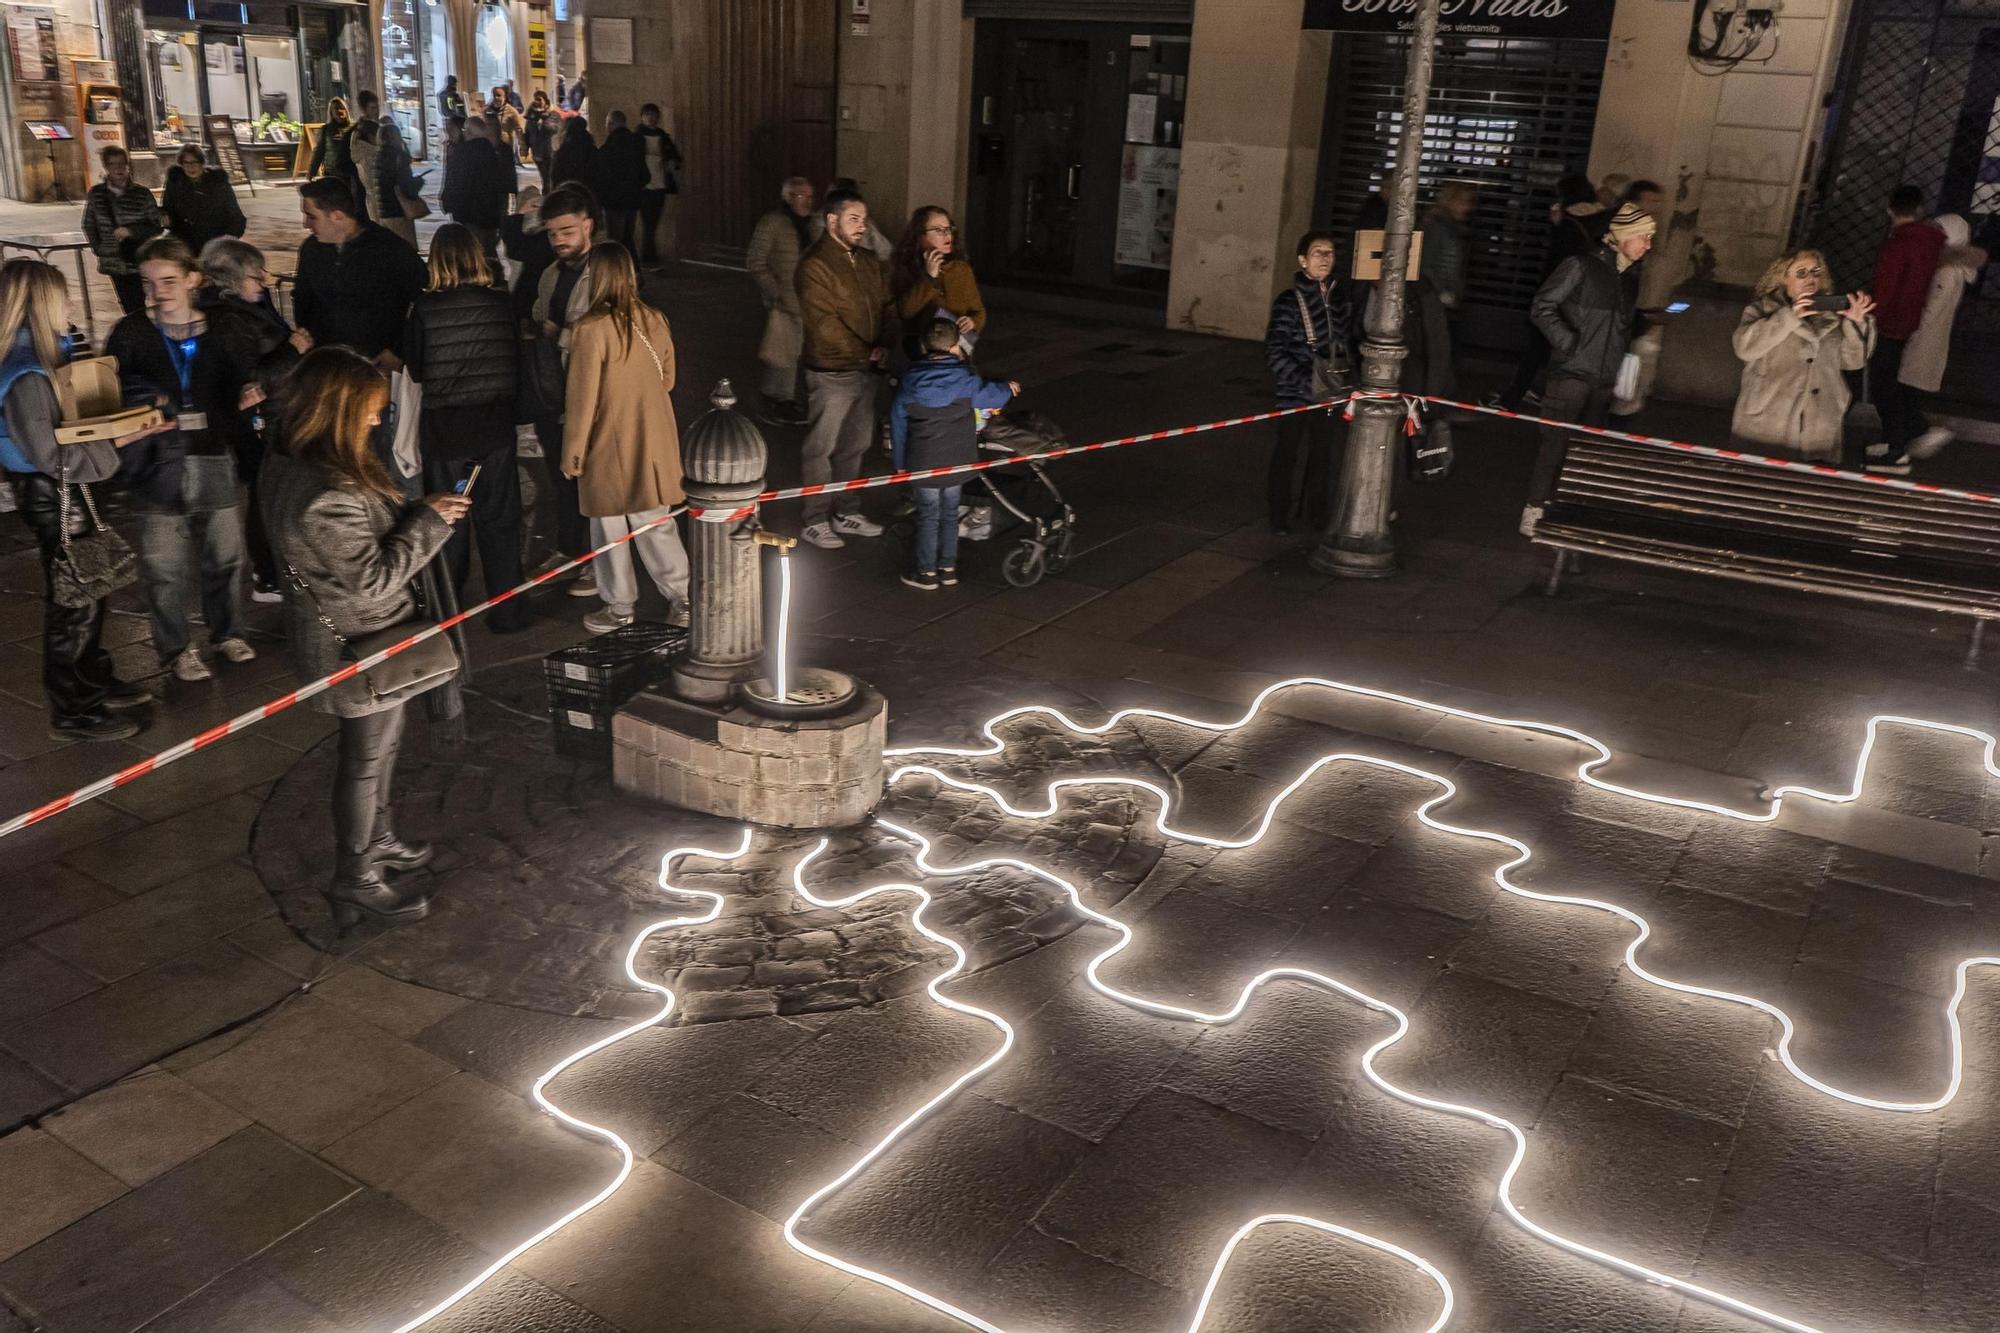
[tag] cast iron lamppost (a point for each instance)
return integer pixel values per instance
(1357, 544)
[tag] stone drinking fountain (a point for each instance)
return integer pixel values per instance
(738, 731)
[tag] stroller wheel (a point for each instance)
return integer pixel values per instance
(1058, 559)
(1025, 565)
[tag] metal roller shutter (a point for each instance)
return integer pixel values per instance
(1510, 115)
(1090, 11)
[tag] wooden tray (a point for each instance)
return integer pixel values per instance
(86, 429)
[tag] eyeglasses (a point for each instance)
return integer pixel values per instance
(1320, 252)
(940, 231)
(1808, 272)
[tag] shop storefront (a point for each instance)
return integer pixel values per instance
(270, 68)
(1075, 170)
(412, 32)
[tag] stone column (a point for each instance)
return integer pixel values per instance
(722, 460)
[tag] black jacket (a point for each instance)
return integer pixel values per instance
(1585, 311)
(148, 371)
(532, 251)
(1287, 350)
(254, 344)
(200, 209)
(461, 345)
(104, 213)
(621, 170)
(670, 156)
(358, 294)
(478, 184)
(575, 159)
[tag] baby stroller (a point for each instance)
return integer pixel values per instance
(1020, 502)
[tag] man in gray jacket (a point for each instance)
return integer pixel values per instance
(1585, 310)
(569, 220)
(782, 235)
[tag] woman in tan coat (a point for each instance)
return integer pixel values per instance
(621, 442)
(1794, 396)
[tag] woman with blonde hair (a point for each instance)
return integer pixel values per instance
(351, 548)
(1795, 343)
(459, 344)
(77, 680)
(620, 439)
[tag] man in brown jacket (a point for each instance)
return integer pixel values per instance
(844, 302)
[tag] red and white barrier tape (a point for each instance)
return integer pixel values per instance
(244, 721)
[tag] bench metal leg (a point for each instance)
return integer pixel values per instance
(1554, 585)
(1978, 640)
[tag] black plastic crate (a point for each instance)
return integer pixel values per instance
(614, 666)
(581, 719)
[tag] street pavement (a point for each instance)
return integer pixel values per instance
(229, 1121)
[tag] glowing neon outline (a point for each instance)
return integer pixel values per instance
(715, 901)
(1585, 773)
(1006, 1030)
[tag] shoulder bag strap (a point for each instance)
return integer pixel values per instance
(1305, 318)
(62, 497)
(659, 367)
(318, 613)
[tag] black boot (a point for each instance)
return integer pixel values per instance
(358, 890)
(390, 852)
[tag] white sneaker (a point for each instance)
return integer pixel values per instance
(1931, 443)
(189, 667)
(677, 615)
(585, 586)
(265, 595)
(236, 650)
(822, 536)
(857, 525)
(606, 620)
(1899, 466)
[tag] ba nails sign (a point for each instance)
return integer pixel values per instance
(1589, 19)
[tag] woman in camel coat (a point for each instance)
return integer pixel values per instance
(621, 442)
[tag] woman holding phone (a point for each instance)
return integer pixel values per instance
(1795, 341)
(460, 344)
(350, 547)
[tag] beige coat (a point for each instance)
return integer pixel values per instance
(620, 439)
(1925, 354)
(1794, 396)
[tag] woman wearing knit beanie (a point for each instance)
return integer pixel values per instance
(1585, 311)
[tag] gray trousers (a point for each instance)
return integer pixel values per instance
(842, 404)
(666, 560)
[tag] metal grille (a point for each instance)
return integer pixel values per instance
(1097, 11)
(1918, 102)
(1511, 115)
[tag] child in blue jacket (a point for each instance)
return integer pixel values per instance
(931, 425)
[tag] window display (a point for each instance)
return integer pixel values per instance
(173, 63)
(402, 69)
(495, 49)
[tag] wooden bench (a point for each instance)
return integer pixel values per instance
(1837, 536)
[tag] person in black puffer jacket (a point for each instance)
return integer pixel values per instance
(1309, 321)
(1585, 310)
(460, 344)
(200, 203)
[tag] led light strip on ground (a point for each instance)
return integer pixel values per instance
(1585, 772)
(1126, 935)
(625, 1158)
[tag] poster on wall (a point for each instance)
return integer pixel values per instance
(1149, 185)
(1589, 19)
(610, 42)
(538, 52)
(31, 41)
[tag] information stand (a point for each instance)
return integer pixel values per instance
(220, 131)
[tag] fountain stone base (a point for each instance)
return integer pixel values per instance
(798, 772)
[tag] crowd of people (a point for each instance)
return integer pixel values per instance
(1809, 350)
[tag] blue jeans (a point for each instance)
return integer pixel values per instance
(937, 527)
(204, 541)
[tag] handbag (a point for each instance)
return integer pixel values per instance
(406, 393)
(420, 667)
(92, 565)
(1331, 377)
(1431, 451)
(1625, 387)
(538, 389)
(413, 206)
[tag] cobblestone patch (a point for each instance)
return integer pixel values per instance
(544, 871)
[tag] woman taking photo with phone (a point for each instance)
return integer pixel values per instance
(460, 344)
(49, 480)
(1795, 341)
(350, 547)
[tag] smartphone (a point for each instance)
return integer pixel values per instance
(464, 487)
(1677, 307)
(1831, 303)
